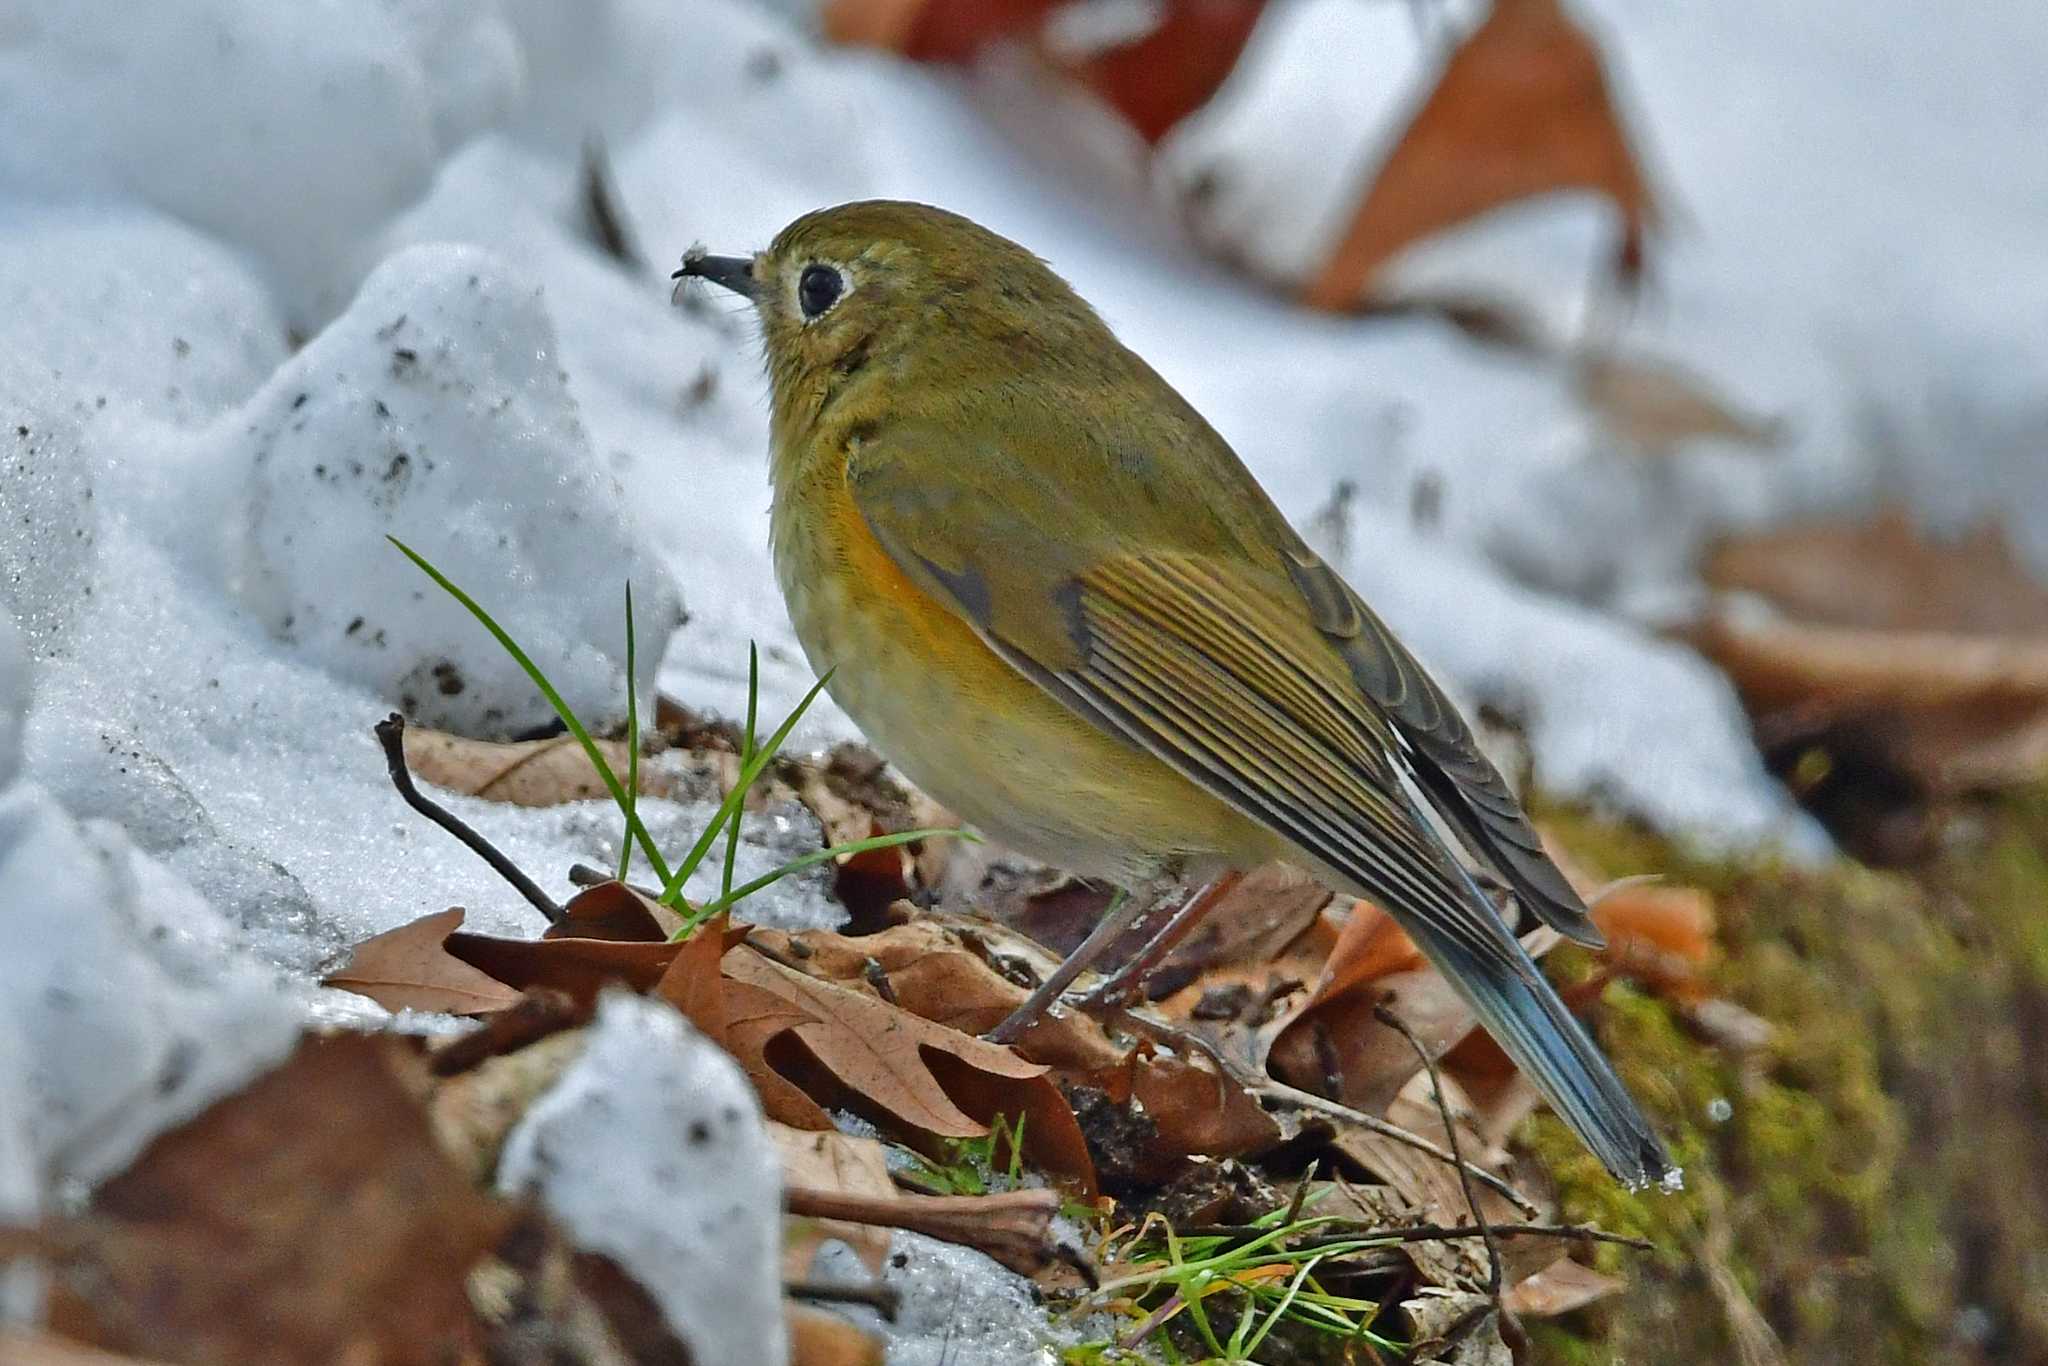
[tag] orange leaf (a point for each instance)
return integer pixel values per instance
(1176, 68)
(410, 968)
(1522, 109)
(1661, 936)
(693, 982)
(932, 30)
(1369, 947)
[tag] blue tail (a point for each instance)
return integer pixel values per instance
(1525, 1016)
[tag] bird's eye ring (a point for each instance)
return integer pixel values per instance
(818, 288)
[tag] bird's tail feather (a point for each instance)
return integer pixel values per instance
(1524, 1015)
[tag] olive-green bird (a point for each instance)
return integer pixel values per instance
(1056, 599)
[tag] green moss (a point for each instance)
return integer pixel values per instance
(1878, 1168)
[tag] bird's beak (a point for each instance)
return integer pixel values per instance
(735, 273)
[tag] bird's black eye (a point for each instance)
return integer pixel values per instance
(818, 289)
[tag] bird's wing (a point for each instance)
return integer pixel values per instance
(1460, 781)
(1220, 669)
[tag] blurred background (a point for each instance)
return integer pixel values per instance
(1673, 377)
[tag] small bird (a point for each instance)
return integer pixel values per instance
(1054, 597)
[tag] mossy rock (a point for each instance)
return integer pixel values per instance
(1873, 1187)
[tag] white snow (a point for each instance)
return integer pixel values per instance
(651, 1150)
(214, 207)
(126, 1004)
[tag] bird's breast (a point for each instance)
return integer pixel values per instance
(964, 725)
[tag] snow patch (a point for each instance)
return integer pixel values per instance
(651, 1150)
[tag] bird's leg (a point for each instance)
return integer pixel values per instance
(1124, 912)
(1126, 978)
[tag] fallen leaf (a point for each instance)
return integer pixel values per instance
(1660, 936)
(310, 1217)
(932, 30)
(26, 1347)
(410, 968)
(1522, 108)
(1883, 574)
(818, 1338)
(1901, 670)
(615, 910)
(580, 967)
(1560, 1288)
(1336, 1037)
(695, 984)
(832, 1161)
(1174, 68)
(755, 1019)
(1656, 407)
(933, 973)
(522, 772)
(902, 1065)
(1953, 712)
(1199, 1110)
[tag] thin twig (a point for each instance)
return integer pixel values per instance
(1266, 1088)
(391, 734)
(877, 1295)
(583, 875)
(1470, 1321)
(1353, 1230)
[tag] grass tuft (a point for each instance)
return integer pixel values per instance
(754, 760)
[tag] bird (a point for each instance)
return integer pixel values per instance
(1052, 595)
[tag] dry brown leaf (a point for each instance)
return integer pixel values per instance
(410, 968)
(932, 30)
(933, 973)
(1199, 1110)
(1954, 712)
(695, 984)
(522, 772)
(1269, 915)
(1369, 947)
(930, 1078)
(1176, 67)
(818, 1338)
(832, 1161)
(26, 1347)
(580, 967)
(310, 1217)
(1336, 1037)
(1924, 660)
(614, 910)
(1560, 1288)
(1883, 574)
(1660, 936)
(755, 1019)
(1522, 109)
(1656, 407)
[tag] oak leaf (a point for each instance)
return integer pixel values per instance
(410, 968)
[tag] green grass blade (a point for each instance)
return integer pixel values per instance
(812, 859)
(555, 700)
(632, 738)
(732, 836)
(672, 884)
(1279, 1310)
